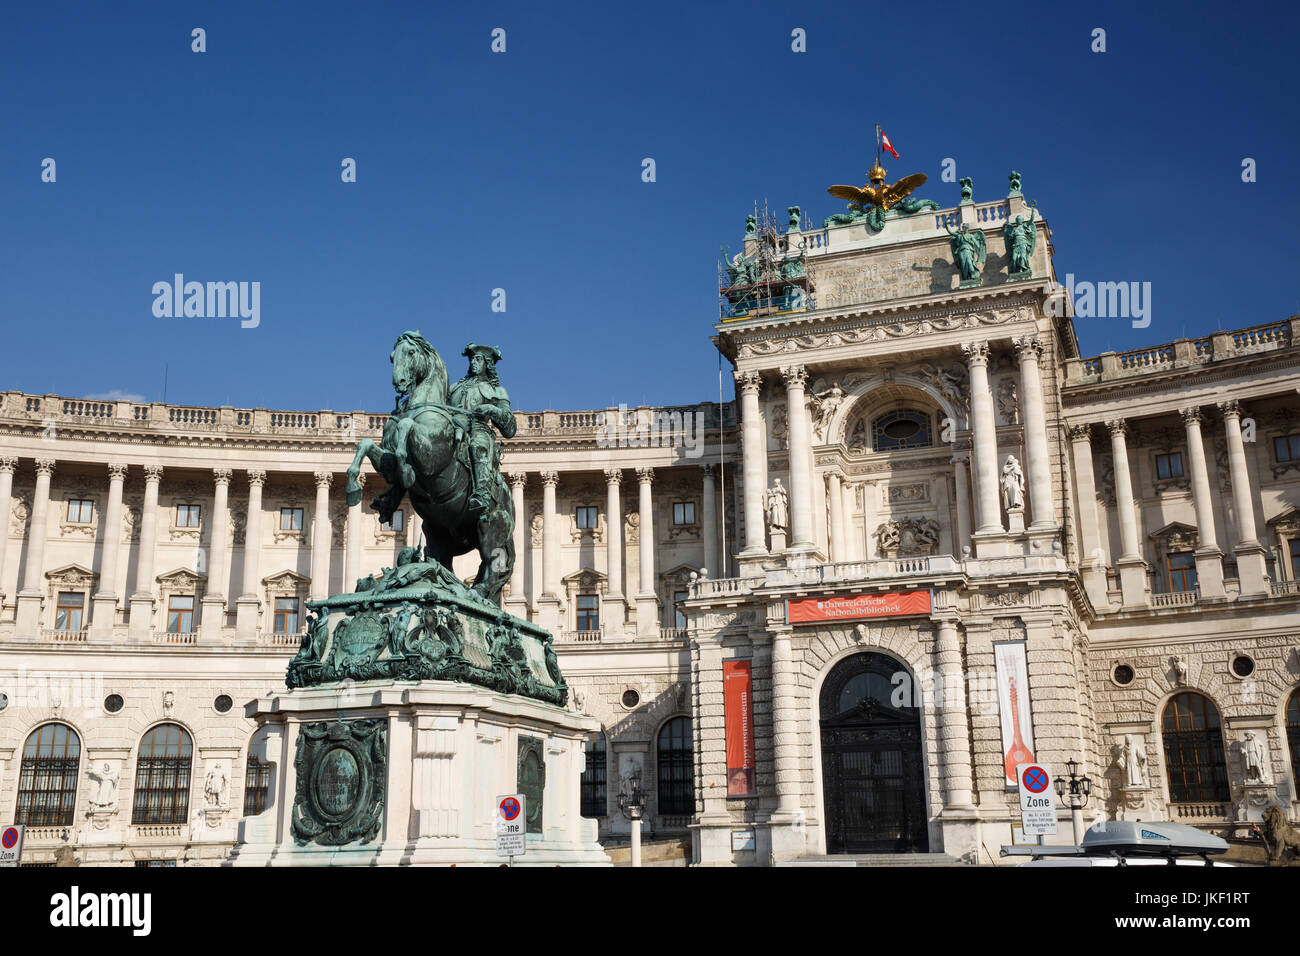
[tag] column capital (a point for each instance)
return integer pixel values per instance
(550, 478)
(1029, 348)
(116, 471)
(795, 376)
(1080, 432)
(977, 353)
(1230, 408)
(256, 478)
(45, 466)
(153, 473)
(1191, 415)
(518, 479)
(748, 382)
(709, 470)
(613, 476)
(960, 458)
(323, 479)
(1118, 426)
(221, 476)
(8, 464)
(645, 475)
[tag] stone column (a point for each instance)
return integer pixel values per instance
(28, 616)
(836, 532)
(985, 438)
(755, 463)
(801, 523)
(952, 718)
(647, 601)
(1092, 561)
(870, 519)
(943, 515)
(1252, 570)
(786, 821)
(1038, 464)
(8, 465)
(1209, 559)
(853, 546)
(549, 602)
(615, 613)
(352, 553)
(1132, 568)
(961, 543)
(709, 523)
(105, 600)
(142, 600)
(250, 598)
(213, 617)
(321, 538)
(517, 602)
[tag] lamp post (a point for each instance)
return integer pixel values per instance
(1075, 793)
(631, 805)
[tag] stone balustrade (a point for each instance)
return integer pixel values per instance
(1183, 353)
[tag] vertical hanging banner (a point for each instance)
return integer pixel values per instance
(1013, 706)
(738, 716)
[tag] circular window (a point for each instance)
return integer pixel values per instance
(4, 701)
(223, 703)
(1243, 666)
(631, 698)
(1123, 675)
(113, 703)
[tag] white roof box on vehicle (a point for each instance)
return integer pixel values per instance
(1160, 839)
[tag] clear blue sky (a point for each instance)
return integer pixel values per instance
(522, 171)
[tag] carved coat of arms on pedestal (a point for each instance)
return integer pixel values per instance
(341, 768)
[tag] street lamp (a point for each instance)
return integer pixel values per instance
(631, 805)
(1075, 792)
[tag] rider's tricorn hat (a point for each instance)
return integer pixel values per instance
(487, 351)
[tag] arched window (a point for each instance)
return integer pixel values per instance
(47, 777)
(1293, 733)
(594, 801)
(162, 776)
(674, 758)
(1194, 756)
(902, 428)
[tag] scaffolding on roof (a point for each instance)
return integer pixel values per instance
(769, 276)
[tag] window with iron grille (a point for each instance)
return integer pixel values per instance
(904, 428)
(162, 776)
(286, 615)
(79, 510)
(588, 611)
(587, 516)
(67, 613)
(1194, 756)
(257, 785)
(47, 777)
(674, 757)
(594, 799)
(188, 516)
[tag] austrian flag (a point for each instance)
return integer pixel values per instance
(886, 144)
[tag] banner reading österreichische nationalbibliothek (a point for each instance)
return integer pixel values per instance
(856, 606)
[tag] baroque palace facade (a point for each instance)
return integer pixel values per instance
(928, 541)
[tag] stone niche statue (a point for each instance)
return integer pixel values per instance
(215, 785)
(103, 798)
(1254, 758)
(1133, 758)
(778, 507)
(824, 405)
(1013, 484)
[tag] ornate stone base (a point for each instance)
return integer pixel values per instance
(397, 773)
(1252, 800)
(1139, 804)
(970, 283)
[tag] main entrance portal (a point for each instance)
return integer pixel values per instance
(871, 761)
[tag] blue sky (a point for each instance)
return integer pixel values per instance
(522, 171)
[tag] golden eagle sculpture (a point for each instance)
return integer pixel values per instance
(876, 195)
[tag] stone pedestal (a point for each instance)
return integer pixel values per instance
(393, 773)
(1139, 804)
(1016, 520)
(1252, 799)
(961, 833)
(778, 540)
(1133, 581)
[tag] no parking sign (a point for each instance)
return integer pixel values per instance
(1037, 801)
(11, 845)
(510, 818)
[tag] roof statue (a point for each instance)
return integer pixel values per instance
(874, 198)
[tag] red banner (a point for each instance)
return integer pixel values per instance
(739, 725)
(852, 607)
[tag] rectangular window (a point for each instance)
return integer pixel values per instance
(187, 516)
(1287, 448)
(180, 614)
(67, 615)
(1294, 545)
(286, 615)
(1182, 572)
(394, 525)
(684, 512)
(290, 519)
(79, 510)
(587, 517)
(588, 612)
(678, 598)
(1169, 466)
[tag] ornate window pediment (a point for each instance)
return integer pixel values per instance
(1286, 524)
(285, 584)
(70, 577)
(182, 581)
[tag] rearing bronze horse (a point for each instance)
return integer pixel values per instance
(424, 455)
